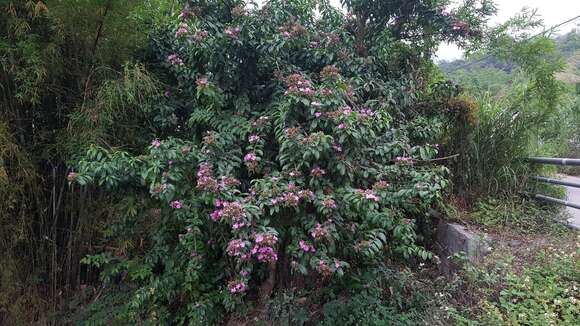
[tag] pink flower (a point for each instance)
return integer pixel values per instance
(250, 157)
(202, 82)
(236, 247)
(237, 287)
(185, 14)
(337, 148)
(253, 139)
(72, 176)
(317, 114)
(216, 215)
(460, 25)
(317, 172)
(341, 126)
(326, 92)
(305, 246)
(174, 60)
(205, 179)
(175, 204)
(319, 232)
(199, 36)
(182, 30)
(244, 273)
(263, 247)
(232, 32)
(369, 194)
(329, 203)
(156, 143)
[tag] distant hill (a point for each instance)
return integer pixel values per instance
(492, 74)
(569, 46)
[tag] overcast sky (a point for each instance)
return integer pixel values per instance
(552, 12)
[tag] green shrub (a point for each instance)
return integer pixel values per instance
(285, 146)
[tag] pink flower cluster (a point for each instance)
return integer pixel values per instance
(183, 29)
(319, 232)
(293, 197)
(174, 59)
(239, 11)
(298, 85)
(226, 182)
(237, 287)
(202, 82)
(380, 185)
(292, 30)
(199, 36)
(263, 248)
(323, 268)
(294, 174)
(205, 178)
(306, 247)
(329, 203)
(229, 211)
(366, 113)
(232, 32)
(369, 194)
(253, 139)
(261, 121)
(159, 189)
(331, 38)
(156, 143)
(185, 14)
(250, 157)
(460, 26)
(317, 172)
(237, 248)
(326, 92)
(72, 176)
(330, 72)
(176, 204)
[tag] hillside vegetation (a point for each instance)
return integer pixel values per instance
(205, 162)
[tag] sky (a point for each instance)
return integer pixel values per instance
(552, 12)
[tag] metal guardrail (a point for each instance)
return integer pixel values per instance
(555, 161)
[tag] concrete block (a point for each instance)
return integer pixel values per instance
(454, 238)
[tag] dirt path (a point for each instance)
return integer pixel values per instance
(573, 195)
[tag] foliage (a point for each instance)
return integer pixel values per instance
(55, 59)
(516, 214)
(547, 293)
(286, 144)
(524, 119)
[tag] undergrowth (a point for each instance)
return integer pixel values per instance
(544, 290)
(516, 214)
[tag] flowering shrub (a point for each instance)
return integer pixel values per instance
(294, 148)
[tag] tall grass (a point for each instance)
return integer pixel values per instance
(494, 143)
